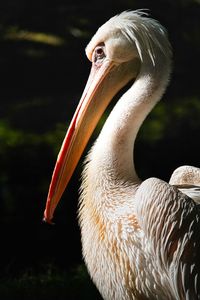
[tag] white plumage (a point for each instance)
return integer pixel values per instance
(141, 240)
(187, 180)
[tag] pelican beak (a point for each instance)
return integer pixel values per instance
(104, 82)
(87, 114)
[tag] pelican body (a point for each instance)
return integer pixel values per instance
(140, 239)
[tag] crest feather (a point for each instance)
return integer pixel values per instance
(147, 33)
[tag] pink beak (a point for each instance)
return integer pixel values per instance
(104, 82)
(84, 121)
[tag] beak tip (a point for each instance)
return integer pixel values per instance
(47, 221)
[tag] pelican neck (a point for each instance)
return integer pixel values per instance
(114, 147)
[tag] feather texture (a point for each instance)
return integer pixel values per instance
(140, 239)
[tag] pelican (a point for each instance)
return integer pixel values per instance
(140, 239)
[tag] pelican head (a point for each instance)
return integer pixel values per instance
(118, 51)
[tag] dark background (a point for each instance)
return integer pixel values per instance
(43, 70)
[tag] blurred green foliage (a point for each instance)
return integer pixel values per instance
(49, 283)
(43, 71)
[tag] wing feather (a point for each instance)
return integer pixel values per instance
(171, 224)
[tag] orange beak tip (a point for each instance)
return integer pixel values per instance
(47, 221)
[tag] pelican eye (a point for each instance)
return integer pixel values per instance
(99, 54)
